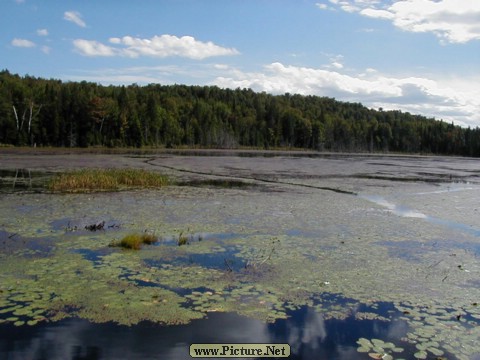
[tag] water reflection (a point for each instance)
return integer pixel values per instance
(22, 180)
(309, 335)
(404, 211)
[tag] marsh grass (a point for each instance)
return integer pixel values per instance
(135, 241)
(91, 180)
(182, 239)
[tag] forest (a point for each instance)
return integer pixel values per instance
(48, 112)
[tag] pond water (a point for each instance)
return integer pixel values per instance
(308, 334)
(340, 256)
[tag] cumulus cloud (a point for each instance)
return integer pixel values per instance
(453, 21)
(42, 32)
(23, 43)
(414, 94)
(337, 65)
(158, 46)
(324, 6)
(75, 17)
(93, 48)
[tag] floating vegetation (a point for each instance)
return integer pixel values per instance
(242, 257)
(378, 349)
(91, 180)
(135, 241)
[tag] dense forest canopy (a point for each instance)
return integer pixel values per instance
(41, 112)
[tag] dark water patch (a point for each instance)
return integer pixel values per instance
(246, 153)
(412, 250)
(456, 226)
(220, 183)
(423, 177)
(11, 243)
(186, 238)
(309, 335)
(95, 256)
(225, 260)
(220, 260)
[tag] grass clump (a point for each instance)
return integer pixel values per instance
(89, 180)
(182, 239)
(135, 241)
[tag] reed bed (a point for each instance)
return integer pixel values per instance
(91, 180)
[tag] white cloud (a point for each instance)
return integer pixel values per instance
(337, 65)
(221, 66)
(158, 46)
(453, 21)
(167, 74)
(450, 99)
(452, 102)
(19, 1)
(92, 48)
(323, 6)
(46, 49)
(42, 32)
(380, 14)
(75, 17)
(23, 43)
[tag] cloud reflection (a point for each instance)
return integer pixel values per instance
(308, 333)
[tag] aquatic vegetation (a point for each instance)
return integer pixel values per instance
(135, 241)
(90, 180)
(344, 248)
(378, 349)
(149, 239)
(182, 239)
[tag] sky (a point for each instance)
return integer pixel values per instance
(417, 56)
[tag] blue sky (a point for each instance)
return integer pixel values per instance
(421, 56)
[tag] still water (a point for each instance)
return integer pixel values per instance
(308, 334)
(319, 252)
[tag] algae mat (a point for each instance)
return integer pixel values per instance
(262, 254)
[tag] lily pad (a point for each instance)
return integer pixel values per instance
(420, 354)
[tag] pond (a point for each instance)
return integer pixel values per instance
(339, 256)
(307, 333)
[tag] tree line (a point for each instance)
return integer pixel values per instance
(46, 112)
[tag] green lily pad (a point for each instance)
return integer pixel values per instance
(420, 354)
(435, 351)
